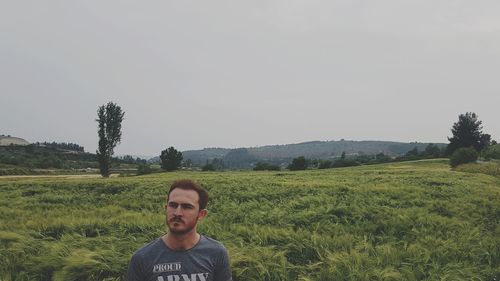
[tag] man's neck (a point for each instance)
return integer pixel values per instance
(181, 242)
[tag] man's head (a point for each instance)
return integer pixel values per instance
(191, 185)
(186, 203)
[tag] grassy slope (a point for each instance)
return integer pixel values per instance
(402, 221)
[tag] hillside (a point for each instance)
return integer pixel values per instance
(329, 149)
(8, 140)
(54, 157)
(45, 157)
(279, 154)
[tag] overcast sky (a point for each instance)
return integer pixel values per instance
(195, 74)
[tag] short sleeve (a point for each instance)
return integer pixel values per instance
(135, 269)
(223, 270)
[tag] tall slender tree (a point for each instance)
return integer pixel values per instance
(109, 119)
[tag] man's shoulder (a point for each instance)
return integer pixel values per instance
(148, 248)
(211, 244)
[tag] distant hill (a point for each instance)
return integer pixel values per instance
(8, 140)
(333, 149)
(201, 156)
(280, 154)
(45, 157)
(35, 156)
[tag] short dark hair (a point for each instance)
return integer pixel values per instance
(187, 184)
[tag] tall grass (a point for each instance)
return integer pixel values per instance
(403, 221)
(488, 168)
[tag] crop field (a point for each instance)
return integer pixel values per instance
(400, 221)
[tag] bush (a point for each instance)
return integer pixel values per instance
(324, 164)
(463, 155)
(143, 169)
(492, 152)
(344, 163)
(298, 163)
(208, 168)
(260, 166)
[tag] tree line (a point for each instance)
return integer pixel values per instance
(61, 145)
(465, 145)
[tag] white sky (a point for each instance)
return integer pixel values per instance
(195, 74)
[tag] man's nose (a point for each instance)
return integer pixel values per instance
(178, 211)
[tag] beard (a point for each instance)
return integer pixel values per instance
(179, 230)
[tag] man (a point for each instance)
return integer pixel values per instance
(182, 254)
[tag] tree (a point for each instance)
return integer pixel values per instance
(324, 164)
(382, 158)
(215, 164)
(171, 159)
(492, 152)
(218, 164)
(208, 167)
(342, 157)
(412, 153)
(188, 163)
(109, 119)
(143, 169)
(432, 150)
(467, 132)
(238, 158)
(298, 163)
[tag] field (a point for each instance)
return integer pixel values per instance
(400, 221)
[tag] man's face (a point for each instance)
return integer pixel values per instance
(183, 211)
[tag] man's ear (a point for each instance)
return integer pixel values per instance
(203, 213)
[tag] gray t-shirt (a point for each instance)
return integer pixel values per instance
(206, 261)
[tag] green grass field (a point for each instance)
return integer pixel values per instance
(403, 221)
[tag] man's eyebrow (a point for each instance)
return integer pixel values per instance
(182, 204)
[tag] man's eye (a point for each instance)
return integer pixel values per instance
(172, 205)
(187, 207)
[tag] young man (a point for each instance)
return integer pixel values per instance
(182, 254)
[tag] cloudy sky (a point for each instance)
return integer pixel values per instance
(195, 74)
